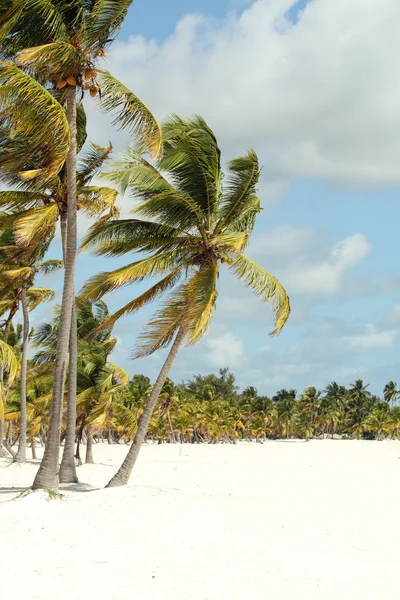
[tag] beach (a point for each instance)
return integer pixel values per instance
(278, 520)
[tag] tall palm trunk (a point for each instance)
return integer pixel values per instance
(171, 428)
(21, 453)
(5, 338)
(67, 468)
(123, 474)
(89, 446)
(47, 476)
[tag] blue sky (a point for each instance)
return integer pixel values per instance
(313, 87)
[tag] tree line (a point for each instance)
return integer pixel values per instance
(190, 218)
(204, 409)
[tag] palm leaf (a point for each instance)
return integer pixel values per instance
(119, 237)
(38, 295)
(24, 106)
(239, 190)
(8, 361)
(36, 224)
(104, 21)
(264, 285)
(56, 60)
(134, 305)
(132, 113)
(92, 162)
(103, 283)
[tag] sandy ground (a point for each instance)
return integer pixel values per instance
(281, 520)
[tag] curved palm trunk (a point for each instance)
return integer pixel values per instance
(171, 428)
(123, 474)
(21, 453)
(33, 448)
(5, 338)
(47, 476)
(89, 446)
(67, 468)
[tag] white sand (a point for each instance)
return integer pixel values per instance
(280, 520)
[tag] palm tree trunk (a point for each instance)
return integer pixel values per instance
(123, 474)
(67, 468)
(47, 476)
(33, 447)
(21, 453)
(171, 428)
(89, 446)
(3, 399)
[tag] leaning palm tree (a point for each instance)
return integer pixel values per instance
(34, 213)
(390, 392)
(193, 226)
(61, 44)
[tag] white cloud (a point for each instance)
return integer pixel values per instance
(372, 339)
(225, 350)
(318, 99)
(324, 276)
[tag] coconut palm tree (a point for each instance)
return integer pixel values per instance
(310, 402)
(378, 420)
(36, 211)
(194, 226)
(22, 280)
(390, 392)
(62, 45)
(393, 423)
(286, 407)
(20, 267)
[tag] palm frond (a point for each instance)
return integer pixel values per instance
(56, 60)
(104, 21)
(27, 19)
(264, 285)
(8, 361)
(132, 113)
(50, 266)
(24, 106)
(103, 283)
(20, 200)
(38, 295)
(239, 189)
(115, 238)
(36, 224)
(81, 120)
(92, 162)
(202, 295)
(134, 305)
(193, 158)
(95, 200)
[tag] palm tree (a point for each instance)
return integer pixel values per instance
(310, 402)
(66, 45)
(17, 278)
(194, 226)
(359, 405)
(286, 407)
(378, 420)
(390, 392)
(393, 423)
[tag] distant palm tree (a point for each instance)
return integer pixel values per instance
(390, 392)
(286, 407)
(194, 226)
(378, 420)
